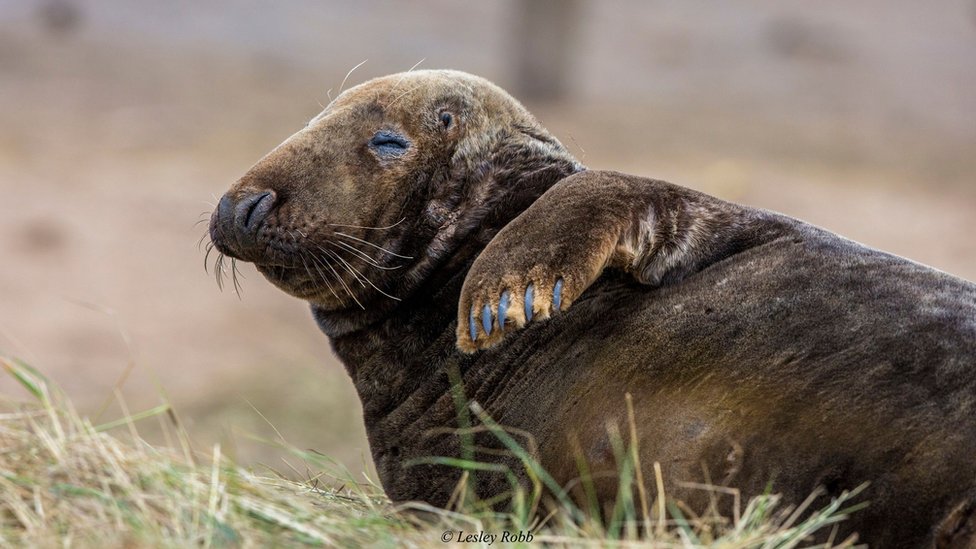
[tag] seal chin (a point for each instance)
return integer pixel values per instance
(299, 282)
(293, 280)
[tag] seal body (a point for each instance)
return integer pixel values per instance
(757, 351)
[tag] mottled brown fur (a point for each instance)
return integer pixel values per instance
(759, 351)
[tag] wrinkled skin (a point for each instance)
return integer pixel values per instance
(758, 350)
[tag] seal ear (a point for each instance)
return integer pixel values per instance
(517, 154)
(446, 118)
(526, 163)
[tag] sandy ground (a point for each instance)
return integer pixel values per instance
(116, 137)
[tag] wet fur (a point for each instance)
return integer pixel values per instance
(757, 348)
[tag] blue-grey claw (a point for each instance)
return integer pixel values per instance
(486, 319)
(473, 325)
(557, 294)
(529, 294)
(502, 309)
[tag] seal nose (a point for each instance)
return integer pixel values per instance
(236, 222)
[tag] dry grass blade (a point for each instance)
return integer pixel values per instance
(65, 482)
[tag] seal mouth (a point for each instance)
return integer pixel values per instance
(268, 257)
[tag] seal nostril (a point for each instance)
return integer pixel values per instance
(252, 210)
(250, 214)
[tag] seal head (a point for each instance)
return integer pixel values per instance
(358, 208)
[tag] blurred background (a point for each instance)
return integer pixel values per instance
(121, 121)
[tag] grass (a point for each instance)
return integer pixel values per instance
(66, 482)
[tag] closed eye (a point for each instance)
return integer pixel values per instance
(388, 143)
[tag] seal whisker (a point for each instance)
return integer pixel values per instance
(204, 236)
(209, 246)
(377, 246)
(417, 64)
(362, 255)
(344, 285)
(305, 264)
(342, 85)
(366, 278)
(304, 252)
(234, 271)
(206, 257)
(369, 228)
(401, 96)
(316, 262)
(349, 268)
(340, 257)
(400, 81)
(219, 271)
(325, 278)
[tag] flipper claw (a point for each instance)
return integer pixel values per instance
(486, 319)
(557, 295)
(473, 325)
(529, 295)
(502, 309)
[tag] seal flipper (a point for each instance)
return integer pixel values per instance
(659, 232)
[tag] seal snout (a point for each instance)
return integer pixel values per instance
(237, 221)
